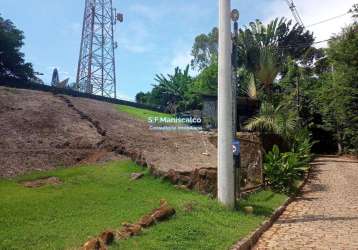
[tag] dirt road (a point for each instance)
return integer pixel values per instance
(325, 216)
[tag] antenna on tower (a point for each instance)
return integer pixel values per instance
(295, 13)
(96, 73)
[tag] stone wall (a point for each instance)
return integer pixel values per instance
(251, 160)
(204, 180)
(251, 164)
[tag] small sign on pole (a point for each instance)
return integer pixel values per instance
(236, 148)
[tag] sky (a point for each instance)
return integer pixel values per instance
(155, 37)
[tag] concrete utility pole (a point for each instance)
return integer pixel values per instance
(226, 187)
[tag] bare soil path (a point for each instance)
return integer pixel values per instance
(325, 216)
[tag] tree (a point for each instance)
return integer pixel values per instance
(174, 89)
(267, 69)
(265, 49)
(337, 99)
(205, 50)
(141, 97)
(289, 41)
(12, 64)
(207, 81)
(354, 11)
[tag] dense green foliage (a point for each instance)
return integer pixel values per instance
(207, 81)
(95, 198)
(298, 85)
(205, 49)
(263, 50)
(275, 120)
(283, 170)
(317, 89)
(337, 95)
(174, 92)
(261, 64)
(12, 64)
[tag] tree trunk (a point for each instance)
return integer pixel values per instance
(339, 144)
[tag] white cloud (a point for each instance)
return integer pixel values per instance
(134, 37)
(181, 58)
(313, 11)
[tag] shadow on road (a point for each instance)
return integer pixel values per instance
(310, 218)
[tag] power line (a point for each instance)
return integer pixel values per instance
(305, 44)
(327, 20)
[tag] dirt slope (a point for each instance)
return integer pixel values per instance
(40, 131)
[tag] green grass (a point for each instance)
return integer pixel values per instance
(94, 198)
(142, 114)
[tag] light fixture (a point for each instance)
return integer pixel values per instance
(235, 15)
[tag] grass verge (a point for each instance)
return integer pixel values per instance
(94, 198)
(142, 114)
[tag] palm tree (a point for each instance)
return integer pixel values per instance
(267, 69)
(271, 119)
(263, 49)
(259, 53)
(174, 87)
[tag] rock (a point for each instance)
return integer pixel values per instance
(164, 212)
(107, 237)
(146, 221)
(248, 209)
(204, 180)
(212, 174)
(129, 230)
(202, 172)
(136, 176)
(94, 244)
(54, 181)
(172, 176)
(183, 179)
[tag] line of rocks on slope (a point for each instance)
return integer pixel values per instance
(202, 180)
(128, 230)
(84, 116)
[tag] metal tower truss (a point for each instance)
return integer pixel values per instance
(295, 13)
(96, 72)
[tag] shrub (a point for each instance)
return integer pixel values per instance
(302, 145)
(282, 170)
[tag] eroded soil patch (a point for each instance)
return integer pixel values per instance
(53, 181)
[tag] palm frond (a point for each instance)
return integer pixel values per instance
(271, 119)
(251, 90)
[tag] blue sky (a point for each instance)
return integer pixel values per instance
(156, 36)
